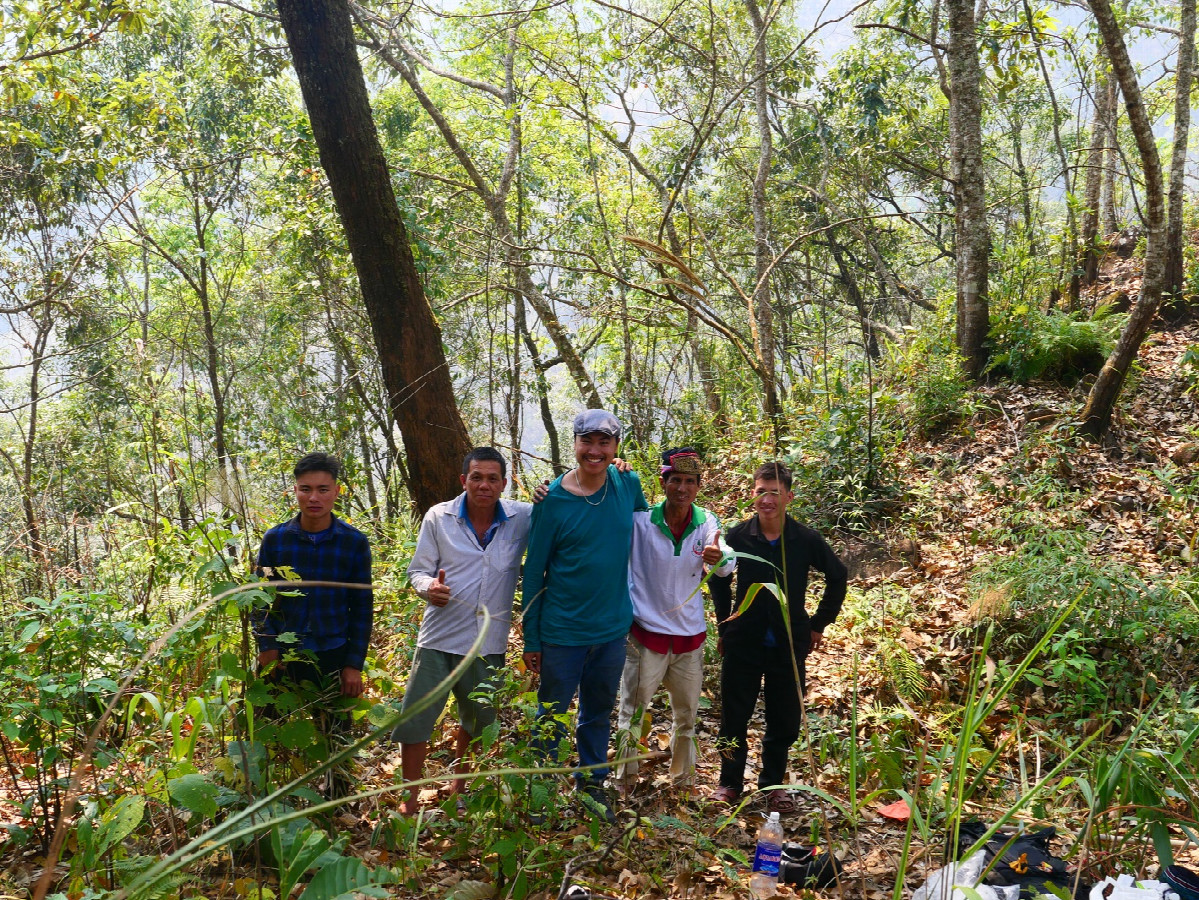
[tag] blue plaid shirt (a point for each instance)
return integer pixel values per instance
(322, 618)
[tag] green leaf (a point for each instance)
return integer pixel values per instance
(297, 855)
(118, 822)
(298, 734)
(344, 877)
(195, 793)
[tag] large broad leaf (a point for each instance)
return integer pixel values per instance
(118, 822)
(250, 759)
(347, 876)
(195, 793)
(296, 853)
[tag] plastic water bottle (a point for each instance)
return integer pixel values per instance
(765, 879)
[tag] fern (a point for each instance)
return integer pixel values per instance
(904, 671)
(1031, 344)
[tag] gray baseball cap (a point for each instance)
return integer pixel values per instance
(590, 421)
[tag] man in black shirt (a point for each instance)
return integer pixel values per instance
(756, 646)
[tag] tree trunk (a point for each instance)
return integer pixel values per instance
(1097, 414)
(972, 239)
(1089, 261)
(761, 312)
(408, 338)
(1111, 141)
(1175, 280)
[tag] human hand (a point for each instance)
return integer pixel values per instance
(351, 682)
(439, 591)
(533, 662)
(815, 641)
(712, 553)
(720, 646)
(541, 491)
(622, 465)
(266, 657)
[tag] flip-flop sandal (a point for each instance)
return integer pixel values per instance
(724, 796)
(781, 802)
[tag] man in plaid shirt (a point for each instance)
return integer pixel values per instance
(333, 624)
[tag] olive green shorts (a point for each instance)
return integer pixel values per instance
(472, 691)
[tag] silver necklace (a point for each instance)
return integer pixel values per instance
(585, 497)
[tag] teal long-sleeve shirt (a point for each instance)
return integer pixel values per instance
(576, 581)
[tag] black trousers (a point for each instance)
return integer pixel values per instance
(743, 672)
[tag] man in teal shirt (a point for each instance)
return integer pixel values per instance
(576, 602)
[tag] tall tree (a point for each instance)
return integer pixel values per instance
(972, 236)
(417, 376)
(1097, 413)
(761, 312)
(1175, 284)
(495, 193)
(1103, 101)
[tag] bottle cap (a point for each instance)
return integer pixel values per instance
(774, 817)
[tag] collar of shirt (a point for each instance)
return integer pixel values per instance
(498, 517)
(336, 527)
(789, 527)
(657, 515)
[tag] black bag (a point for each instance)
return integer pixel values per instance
(807, 866)
(1026, 861)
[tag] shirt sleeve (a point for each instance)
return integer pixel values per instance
(836, 581)
(360, 608)
(639, 502)
(541, 535)
(422, 571)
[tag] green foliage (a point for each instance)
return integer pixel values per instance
(1189, 364)
(1121, 633)
(935, 392)
(1030, 344)
(842, 453)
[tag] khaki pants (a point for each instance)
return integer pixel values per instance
(683, 676)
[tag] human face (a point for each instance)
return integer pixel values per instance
(594, 452)
(484, 483)
(770, 501)
(681, 490)
(316, 492)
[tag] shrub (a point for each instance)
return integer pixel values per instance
(1030, 344)
(934, 389)
(1124, 631)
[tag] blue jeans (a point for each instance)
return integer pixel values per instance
(593, 672)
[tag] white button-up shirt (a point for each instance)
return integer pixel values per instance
(478, 578)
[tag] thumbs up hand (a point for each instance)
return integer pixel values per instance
(439, 591)
(713, 553)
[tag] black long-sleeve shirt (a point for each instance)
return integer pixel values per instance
(786, 564)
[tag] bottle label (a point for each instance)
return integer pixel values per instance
(766, 859)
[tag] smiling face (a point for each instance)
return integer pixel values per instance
(594, 452)
(484, 483)
(316, 492)
(770, 502)
(681, 490)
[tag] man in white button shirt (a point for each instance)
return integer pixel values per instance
(673, 543)
(467, 559)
